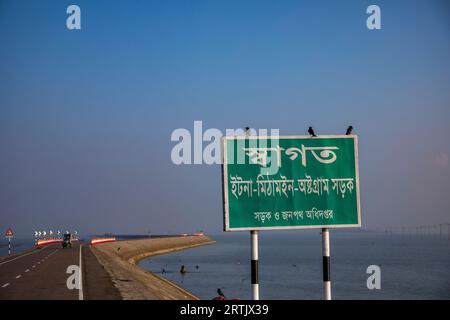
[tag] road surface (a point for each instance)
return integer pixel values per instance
(42, 275)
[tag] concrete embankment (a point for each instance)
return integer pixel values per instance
(120, 258)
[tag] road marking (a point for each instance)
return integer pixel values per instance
(80, 290)
(28, 270)
(18, 276)
(43, 260)
(52, 253)
(5, 285)
(34, 266)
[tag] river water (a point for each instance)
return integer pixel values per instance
(412, 267)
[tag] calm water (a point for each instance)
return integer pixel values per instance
(412, 267)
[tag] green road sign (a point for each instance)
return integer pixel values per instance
(290, 182)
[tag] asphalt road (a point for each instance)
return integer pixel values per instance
(42, 275)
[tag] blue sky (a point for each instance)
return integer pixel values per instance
(86, 116)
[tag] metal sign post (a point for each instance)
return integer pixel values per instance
(326, 264)
(9, 234)
(254, 265)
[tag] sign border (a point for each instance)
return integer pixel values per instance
(226, 215)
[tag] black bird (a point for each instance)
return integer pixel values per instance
(311, 132)
(349, 130)
(220, 293)
(247, 131)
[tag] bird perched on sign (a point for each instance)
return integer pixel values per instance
(349, 130)
(311, 132)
